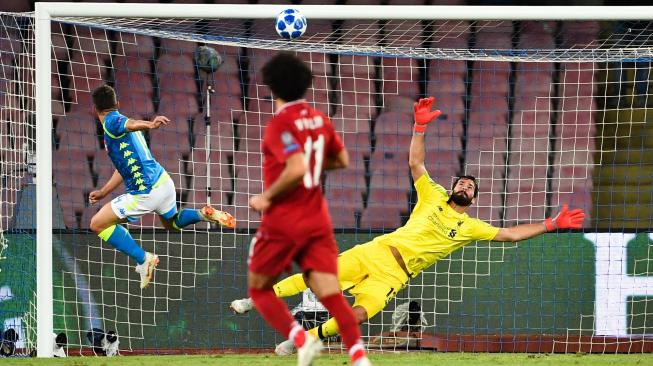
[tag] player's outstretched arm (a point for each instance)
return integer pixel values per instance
(423, 115)
(566, 219)
(139, 125)
(113, 183)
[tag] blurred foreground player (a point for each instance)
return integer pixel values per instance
(298, 143)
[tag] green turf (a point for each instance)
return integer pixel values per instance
(385, 359)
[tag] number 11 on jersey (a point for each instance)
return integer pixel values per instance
(312, 176)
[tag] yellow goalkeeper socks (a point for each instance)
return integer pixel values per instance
(326, 329)
(290, 286)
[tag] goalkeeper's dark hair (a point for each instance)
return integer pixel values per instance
(104, 98)
(287, 76)
(470, 177)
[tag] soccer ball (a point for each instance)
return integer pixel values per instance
(290, 24)
(207, 59)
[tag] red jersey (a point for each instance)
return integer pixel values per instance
(298, 128)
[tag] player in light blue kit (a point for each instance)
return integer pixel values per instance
(149, 187)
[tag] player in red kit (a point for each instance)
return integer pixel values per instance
(298, 144)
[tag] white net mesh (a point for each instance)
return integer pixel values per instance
(542, 113)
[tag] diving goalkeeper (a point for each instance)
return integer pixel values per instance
(375, 271)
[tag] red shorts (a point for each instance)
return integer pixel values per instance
(273, 253)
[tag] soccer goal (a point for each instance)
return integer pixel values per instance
(544, 105)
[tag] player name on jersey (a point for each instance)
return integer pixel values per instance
(312, 123)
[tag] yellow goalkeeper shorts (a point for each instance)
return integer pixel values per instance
(371, 274)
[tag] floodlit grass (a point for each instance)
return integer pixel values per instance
(385, 359)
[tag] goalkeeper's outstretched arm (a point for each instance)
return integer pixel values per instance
(566, 219)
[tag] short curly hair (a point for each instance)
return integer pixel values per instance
(104, 98)
(287, 76)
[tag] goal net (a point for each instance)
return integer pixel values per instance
(543, 113)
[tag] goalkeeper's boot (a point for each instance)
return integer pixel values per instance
(210, 214)
(241, 306)
(146, 269)
(309, 350)
(285, 348)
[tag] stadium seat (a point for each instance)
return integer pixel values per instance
(135, 45)
(219, 142)
(393, 142)
(400, 76)
(357, 143)
(443, 166)
(133, 75)
(487, 124)
(390, 178)
(73, 141)
(574, 150)
(489, 214)
(342, 217)
(251, 139)
(344, 197)
(580, 34)
(449, 33)
(488, 163)
(565, 179)
(457, 68)
(403, 33)
(356, 98)
(379, 217)
(243, 191)
(91, 47)
(526, 178)
(178, 106)
(352, 177)
(533, 83)
(490, 78)
(525, 208)
(393, 123)
(165, 141)
(197, 167)
(60, 50)
(529, 158)
(137, 105)
(174, 47)
(318, 94)
(537, 34)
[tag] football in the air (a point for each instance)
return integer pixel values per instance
(290, 24)
(207, 59)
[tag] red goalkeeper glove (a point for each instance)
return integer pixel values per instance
(423, 114)
(566, 219)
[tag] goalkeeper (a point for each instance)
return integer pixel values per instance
(375, 271)
(149, 187)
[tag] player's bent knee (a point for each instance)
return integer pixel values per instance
(360, 313)
(96, 226)
(260, 282)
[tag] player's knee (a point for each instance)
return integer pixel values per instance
(360, 313)
(260, 282)
(96, 226)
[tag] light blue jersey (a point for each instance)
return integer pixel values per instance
(130, 155)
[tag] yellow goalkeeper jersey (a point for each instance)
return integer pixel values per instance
(434, 229)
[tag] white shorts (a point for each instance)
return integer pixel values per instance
(161, 200)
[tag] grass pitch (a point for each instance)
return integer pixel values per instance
(384, 359)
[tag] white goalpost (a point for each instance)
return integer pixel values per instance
(544, 105)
